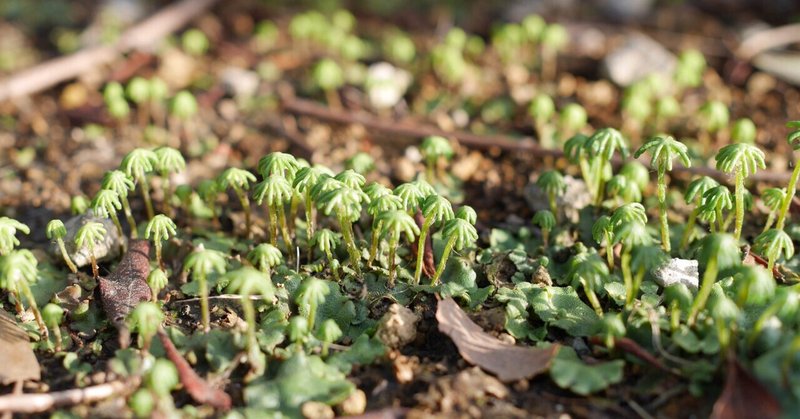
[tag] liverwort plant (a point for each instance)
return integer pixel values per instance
(458, 233)
(248, 282)
(377, 206)
(327, 241)
(435, 150)
(202, 262)
(603, 232)
(121, 183)
(277, 163)
(310, 295)
(741, 160)
(304, 181)
(160, 228)
(52, 315)
(773, 199)
(157, 280)
(329, 77)
(264, 257)
(411, 196)
(277, 192)
(694, 195)
(744, 131)
(345, 203)
(145, 319)
(588, 271)
(793, 138)
(329, 332)
(137, 164)
(168, 160)
(772, 243)
(575, 151)
(663, 150)
(715, 200)
(631, 235)
(239, 180)
(552, 183)
(645, 259)
(396, 223)
(56, 231)
(541, 110)
(8, 234)
(546, 221)
(602, 144)
(435, 209)
(571, 120)
(88, 236)
(554, 38)
(718, 253)
(18, 270)
(105, 205)
(714, 118)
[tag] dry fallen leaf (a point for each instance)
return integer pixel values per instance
(126, 287)
(744, 397)
(16, 352)
(508, 362)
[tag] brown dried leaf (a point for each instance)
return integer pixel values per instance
(744, 397)
(16, 352)
(127, 286)
(508, 362)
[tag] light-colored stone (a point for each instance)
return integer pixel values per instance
(107, 249)
(684, 271)
(316, 410)
(354, 404)
(398, 327)
(637, 57)
(569, 204)
(386, 85)
(240, 83)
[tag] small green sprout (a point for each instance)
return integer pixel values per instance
(690, 68)
(664, 149)
(572, 119)
(449, 64)
(345, 204)
(18, 270)
(435, 150)
(208, 190)
(361, 163)
(436, 209)
(631, 235)
(280, 164)
(546, 221)
(158, 95)
(327, 241)
(755, 286)
(160, 228)
(541, 110)
(724, 312)
(602, 145)
(53, 314)
(411, 195)
(162, 377)
(201, 263)
(718, 253)
(310, 295)
(183, 106)
(378, 205)
(772, 243)
(744, 131)
(603, 231)
(773, 199)
(121, 183)
(694, 195)
(459, 234)
(239, 180)
(715, 201)
(78, 204)
(247, 282)
(145, 319)
(138, 90)
(395, 224)
(157, 280)
(714, 117)
(587, 271)
(112, 91)
(399, 48)
(88, 236)
(628, 213)
(534, 26)
(793, 138)
(56, 231)
(552, 183)
(554, 39)
(105, 205)
(678, 300)
(304, 181)
(612, 327)
(168, 160)
(265, 36)
(575, 151)
(118, 108)
(329, 77)
(195, 42)
(297, 329)
(742, 160)
(466, 212)
(142, 403)
(137, 164)
(645, 259)
(8, 234)
(620, 187)
(351, 179)
(666, 108)
(265, 257)
(277, 192)
(329, 332)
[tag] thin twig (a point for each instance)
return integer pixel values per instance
(140, 36)
(768, 39)
(37, 403)
(418, 129)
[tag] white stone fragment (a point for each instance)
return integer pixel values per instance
(684, 271)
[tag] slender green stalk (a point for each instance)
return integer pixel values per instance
(443, 261)
(709, 277)
(245, 202)
(377, 227)
(334, 269)
(662, 210)
(688, 232)
(790, 191)
(250, 319)
(145, 189)
(674, 316)
(309, 221)
(627, 277)
(63, 248)
(273, 226)
(126, 208)
(392, 251)
(285, 230)
(26, 291)
(423, 234)
(203, 288)
(609, 249)
(737, 232)
(347, 235)
(592, 297)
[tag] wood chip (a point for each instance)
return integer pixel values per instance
(16, 352)
(508, 362)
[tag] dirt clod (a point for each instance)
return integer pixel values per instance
(397, 327)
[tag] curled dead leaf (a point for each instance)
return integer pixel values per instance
(508, 362)
(127, 286)
(16, 353)
(744, 397)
